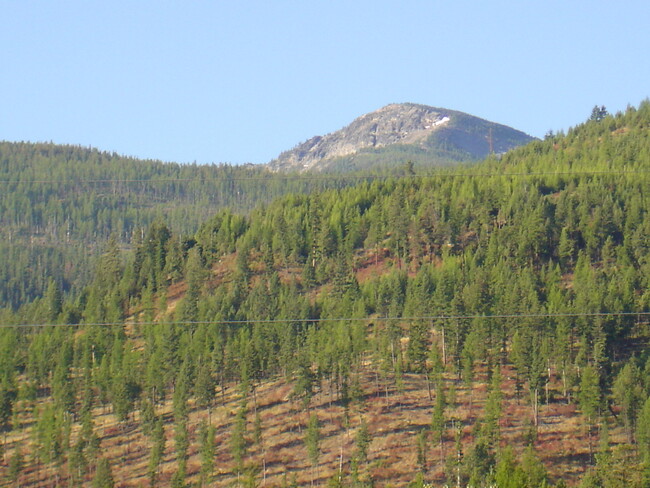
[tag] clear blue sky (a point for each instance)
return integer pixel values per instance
(241, 81)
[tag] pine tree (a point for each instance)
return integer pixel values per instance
(54, 301)
(304, 386)
(103, 475)
(157, 450)
(312, 442)
(62, 384)
(238, 442)
(490, 430)
(417, 350)
(422, 445)
(438, 421)
(629, 394)
(508, 473)
(16, 466)
(181, 446)
(589, 398)
(207, 450)
(643, 431)
(533, 469)
(598, 113)
(362, 442)
(8, 396)
(204, 388)
(566, 249)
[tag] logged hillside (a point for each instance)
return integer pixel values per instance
(483, 327)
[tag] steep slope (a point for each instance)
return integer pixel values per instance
(469, 328)
(408, 131)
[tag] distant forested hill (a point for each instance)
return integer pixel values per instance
(59, 205)
(483, 327)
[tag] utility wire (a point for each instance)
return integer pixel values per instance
(343, 319)
(330, 177)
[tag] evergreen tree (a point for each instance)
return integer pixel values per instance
(417, 350)
(205, 386)
(643, 431)
(103, 475)
(533, 469)
(207, 450)
(422, 445)
(54, 301)
(304, 385)
(508, 473)
(238, 442)
(598, 113)
(157, 450)
(312, 442)
(589, 398)
(16, 466)
(629, 394)
(362, 442)
(490, 430)
(438, 421)
(8, 396)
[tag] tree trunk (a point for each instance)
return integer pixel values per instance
(426, 374)
(536, 407)
(444, 348)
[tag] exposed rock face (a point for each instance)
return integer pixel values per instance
(404, 124)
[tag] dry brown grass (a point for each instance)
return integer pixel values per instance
(393, 421)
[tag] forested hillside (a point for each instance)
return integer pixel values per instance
(60, 204)
(486, 326)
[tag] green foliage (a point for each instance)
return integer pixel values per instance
(490, 431)
(362, 442)
(589, 395)
(598, 113)
(103, 475)
(238, 441)
(478, 464)
(60, 204)
(643, 430)
(629, 395)
(313, 439)
(438, 420)
(157, 449)
(507, 473)
(304, 386)
(546, 270)
(16, 465)
(48, 434)
(422, 445)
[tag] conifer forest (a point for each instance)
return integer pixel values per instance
(482, 325)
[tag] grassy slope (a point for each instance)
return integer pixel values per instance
(394, 416)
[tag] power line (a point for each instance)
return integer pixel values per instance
(342, 319)
(328, 177)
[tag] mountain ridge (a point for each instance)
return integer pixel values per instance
(442, 135)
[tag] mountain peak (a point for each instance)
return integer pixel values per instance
(425, 128)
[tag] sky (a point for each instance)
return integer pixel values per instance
(241, 81)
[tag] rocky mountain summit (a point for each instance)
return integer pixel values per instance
(437, 135)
